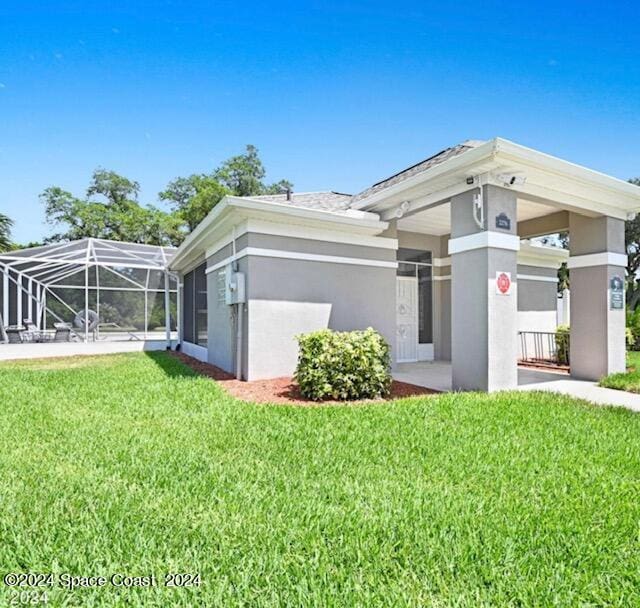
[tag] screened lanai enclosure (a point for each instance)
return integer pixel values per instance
(90, 290)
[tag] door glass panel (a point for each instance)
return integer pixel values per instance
(406, 270)
(425, 321)
(414, 255)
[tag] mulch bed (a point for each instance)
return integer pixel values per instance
(283, 390)
(545, 367)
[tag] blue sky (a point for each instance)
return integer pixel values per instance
(335, 95)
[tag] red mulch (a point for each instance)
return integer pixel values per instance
(282, 390)
(545, 367)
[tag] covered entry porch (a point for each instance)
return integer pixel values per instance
(475, 204)
(436, 375)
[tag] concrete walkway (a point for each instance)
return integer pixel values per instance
(437, 375)
(589, 391)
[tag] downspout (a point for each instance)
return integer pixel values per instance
(238, 312)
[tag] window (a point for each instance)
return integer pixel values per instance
(195, 306)
(417, 263)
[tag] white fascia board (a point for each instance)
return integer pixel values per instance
(606, 258)
(457, 163)
(301, 231)
(481, 240)
(352, 222)
(504, 147)
(568, 185)
(350, 217)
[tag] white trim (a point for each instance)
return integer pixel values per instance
(542, 256)
(425, 351)
(571, 186)
(439, 262)
(446, 277)
(535, 277)
(302, 232)
(480, 240)
(195, 350)
(348, 220)
(319, 234)
(295, 255)
(606, 258)
(527, 260)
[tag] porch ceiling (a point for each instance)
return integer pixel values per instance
(437, 220)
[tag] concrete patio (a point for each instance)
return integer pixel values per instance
(437, 375)
(44, 350)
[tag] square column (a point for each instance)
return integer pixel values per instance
(597, 309)
(484, 308)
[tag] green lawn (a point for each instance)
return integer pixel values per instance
(628, 381)
(132, 464)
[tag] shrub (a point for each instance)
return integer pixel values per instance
(633, 329)
(631, 339)
(343, 365)
(562, 344)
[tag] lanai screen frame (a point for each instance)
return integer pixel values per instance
(45, 266)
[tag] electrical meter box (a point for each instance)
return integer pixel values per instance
(234, 283)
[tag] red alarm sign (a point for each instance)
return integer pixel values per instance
(503, 283)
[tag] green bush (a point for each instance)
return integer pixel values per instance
(343, 365)
(630, 338)
(633, 329)
(562, 344)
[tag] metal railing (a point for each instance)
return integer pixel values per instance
(544, 347)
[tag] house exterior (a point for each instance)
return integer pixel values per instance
(437, 258)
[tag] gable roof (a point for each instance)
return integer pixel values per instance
(420, 167)
(323, 201)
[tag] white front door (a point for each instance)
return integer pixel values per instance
(407, 318)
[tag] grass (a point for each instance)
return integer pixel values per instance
(130, 463)
(626, 381)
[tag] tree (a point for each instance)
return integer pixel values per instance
(560, 239)
(242, 174)
(632, 242)
(118, 190)
(193, 197)
(5, 232)
(118, 216)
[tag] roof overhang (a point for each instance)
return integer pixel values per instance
(548, 179)
(231, 211)
(532, 254)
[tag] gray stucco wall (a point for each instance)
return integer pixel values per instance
(537, 295)
(597, 332)
(342, 297)
(286, 297)
(484, 324)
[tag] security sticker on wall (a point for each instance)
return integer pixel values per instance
(503, 283)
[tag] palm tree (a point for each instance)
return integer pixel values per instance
(5, 232)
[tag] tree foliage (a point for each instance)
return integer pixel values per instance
(5, 232)
(109, 211)
(110, 208)
(193, 197)
(632, 242)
